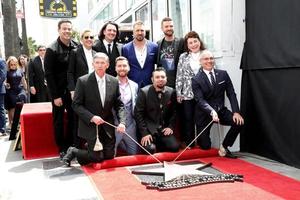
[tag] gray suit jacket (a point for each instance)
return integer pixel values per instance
(87, 103)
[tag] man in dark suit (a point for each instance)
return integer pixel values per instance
(81, 60)
(108, 44)
(209, 87)
(37, 81)
(80, 63)
(141, 55)
(155, 114)
(95, 96)
(56, 66)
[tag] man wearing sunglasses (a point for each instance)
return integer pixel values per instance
(80, 63)
(107, 43)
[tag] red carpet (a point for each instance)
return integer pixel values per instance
(259, 183)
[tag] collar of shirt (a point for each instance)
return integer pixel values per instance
(106, 44)
(98, 78)
(87, 51)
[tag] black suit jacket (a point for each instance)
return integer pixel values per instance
(117, 51)
(37, 79)
(149, 117)
(208, 98)
(78, 66)
(87, 103)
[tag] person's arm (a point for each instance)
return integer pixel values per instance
(231, 94)
(49, 65)
(71, 72)
(3, 71)
(140, 112)
(31, 74)
(78, 103)
(119, 106)
(179, 79)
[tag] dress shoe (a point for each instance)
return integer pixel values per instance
(69, 156)
(224, 152)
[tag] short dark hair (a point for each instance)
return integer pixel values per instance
(40, 46)
(101, 35)
(193, 34)
(166, 19)
(63, 21)
(159, 69)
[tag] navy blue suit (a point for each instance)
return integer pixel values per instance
(209, 98)
(138, 74)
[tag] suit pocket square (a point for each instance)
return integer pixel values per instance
(221, 82)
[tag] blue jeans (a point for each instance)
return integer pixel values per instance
(2, 114)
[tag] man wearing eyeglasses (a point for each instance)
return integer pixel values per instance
(209, 87)
(37, 82)
(108, 44)
(56, 66)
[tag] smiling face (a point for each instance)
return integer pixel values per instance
(65, 31)
(110, 33)
(122, 68)
(207, 60)
(87, 39)
(193, 45)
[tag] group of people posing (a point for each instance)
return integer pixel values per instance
(139, 97)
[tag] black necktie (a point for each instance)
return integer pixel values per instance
(213, 80)
(108, 49)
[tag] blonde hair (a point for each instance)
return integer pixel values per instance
(9, 60)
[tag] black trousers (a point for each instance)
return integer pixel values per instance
(188, 121)
(163, 143)
(63, 137)
(85, 157)
(225, 117)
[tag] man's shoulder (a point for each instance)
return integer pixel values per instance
(134, 84)
(127, 45)
(146, 89)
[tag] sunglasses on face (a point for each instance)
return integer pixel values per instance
(87, 37)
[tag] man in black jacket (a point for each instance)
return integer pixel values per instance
(155, 114)
(56, 66)
(107, 43)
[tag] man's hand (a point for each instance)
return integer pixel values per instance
(32, 90)
(167, 131)
(146, 140)
(58, 102)
(215, 116)
(121, 128)
(179, 99)
(97, 120)
(238, 119)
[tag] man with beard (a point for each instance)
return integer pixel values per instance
(128, 91)
(141, 55)
(155, 114)
(169, 50)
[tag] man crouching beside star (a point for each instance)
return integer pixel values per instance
(155, 114)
